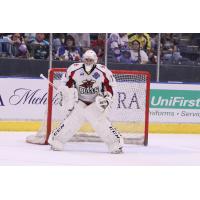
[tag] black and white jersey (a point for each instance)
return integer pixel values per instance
(90, 85)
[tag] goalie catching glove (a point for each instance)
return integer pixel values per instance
(68, 95)
(104, 102)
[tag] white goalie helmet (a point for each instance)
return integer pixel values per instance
(90, 59)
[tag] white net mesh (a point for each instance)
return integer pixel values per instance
(129, 110)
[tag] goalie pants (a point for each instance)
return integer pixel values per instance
(95, 117)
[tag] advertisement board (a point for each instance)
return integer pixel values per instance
(175, 103)
(22, 99)
(26, 99)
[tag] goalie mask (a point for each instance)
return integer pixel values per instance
(89, 59)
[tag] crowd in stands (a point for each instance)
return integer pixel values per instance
(17, 45)
(132, 48)
(127, 48)
(66, 46)
(142, 48)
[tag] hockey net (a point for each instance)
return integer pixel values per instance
(129, 113)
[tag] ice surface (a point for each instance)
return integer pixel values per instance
(163, 149)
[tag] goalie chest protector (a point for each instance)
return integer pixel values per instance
(90, 85)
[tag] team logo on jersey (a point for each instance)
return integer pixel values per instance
(87, 84)
(96, 75)
(87, 87)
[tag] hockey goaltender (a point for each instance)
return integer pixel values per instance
(87, 88)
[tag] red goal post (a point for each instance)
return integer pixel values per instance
(133, 87)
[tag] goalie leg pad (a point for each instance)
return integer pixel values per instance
(67, 129)
(36, 139)
(116, 146)
(39, 137)
(68, 97)
(104, 128)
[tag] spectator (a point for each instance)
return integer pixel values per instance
(29, 37)
(82, 40)
(152, 54)
(119, 40)
(98, 45)
(137, 54)
(58, 41)
(5, 45)
(68, 51)
(169, 48)
(126, 57)
(154, 41)
(116, 54)
(39, 47)
(116, 43)
(19, 48)
(143, 38)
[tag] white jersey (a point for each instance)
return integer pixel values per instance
(89, 85)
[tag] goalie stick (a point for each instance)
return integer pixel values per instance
(56, 88)
(43, 77)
